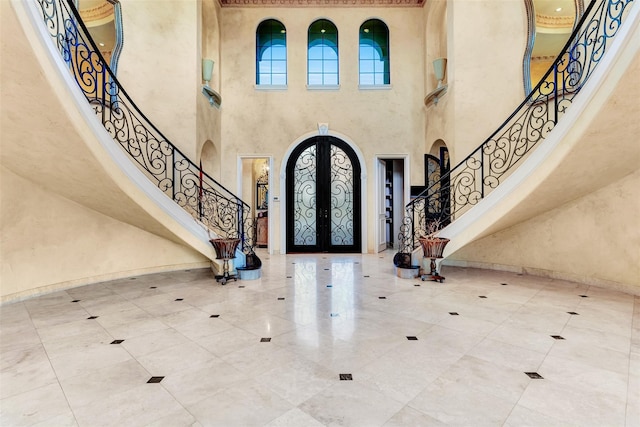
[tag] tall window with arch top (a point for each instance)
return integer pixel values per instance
(322, 54)
(374, 53)
(271, 53)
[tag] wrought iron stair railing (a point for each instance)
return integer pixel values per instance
(163, 163)
(463, 186)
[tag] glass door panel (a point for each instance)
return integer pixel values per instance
(323, 197)
(304, 193)
(341, 198)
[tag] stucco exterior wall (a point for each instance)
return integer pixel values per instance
(49, 242)
(383, 121)
(593, 239)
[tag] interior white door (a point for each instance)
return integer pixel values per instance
(382, 197)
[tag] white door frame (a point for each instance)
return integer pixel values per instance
(240, 173)
(376, 180)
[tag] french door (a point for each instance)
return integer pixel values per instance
(323, 197)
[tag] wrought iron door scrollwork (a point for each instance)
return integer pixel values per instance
(342, 229)
(486, 167)
(178, 177)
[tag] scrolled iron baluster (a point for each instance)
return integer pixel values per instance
(156, 157)
(529, 124)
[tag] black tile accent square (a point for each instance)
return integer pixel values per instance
(153, 287)
(326, 269)
(573, 313)
(557, 337)
(293, 263)
(76, 300)
(132, 278)
(117, 341)
(92, 317)
(367, 276)
(153, 380)
(453, 313)
(214, 316)
(241, 286)
(382, 297)
(329, 286)
(179, 299)
(288, 277)
(265, 339)
(416, 285)
(281, 299)
(346, 377)
(534, 375)
(504, 284)
(412, 338)
(481, 296)
(584, 296)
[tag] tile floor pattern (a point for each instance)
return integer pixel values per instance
(178, 349)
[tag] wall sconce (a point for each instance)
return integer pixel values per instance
(207, 72)
(439, 67)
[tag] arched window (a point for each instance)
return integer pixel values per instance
(271, 53)
(374, 53)
(322, 54)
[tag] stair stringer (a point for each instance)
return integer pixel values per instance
(534, 187)
(138, 202)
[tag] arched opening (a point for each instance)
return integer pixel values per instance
(436, 39)
(437, 164)
(210, 159)
(322, 54)
(323, 197)
(374, 53)
(271, 53)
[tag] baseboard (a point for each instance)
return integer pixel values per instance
(43, 290)
(550, 274)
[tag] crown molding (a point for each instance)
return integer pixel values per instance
(321, 3)
(555, 21)
(98, 13)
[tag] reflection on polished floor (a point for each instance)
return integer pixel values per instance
(323, 340)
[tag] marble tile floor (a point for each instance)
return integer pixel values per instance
(333, 340)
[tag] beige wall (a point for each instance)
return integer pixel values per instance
(486, 44)
(49, 242)
(438, 116)
(160, 66)
(269, 122)
(594, 239)
(77, 216)
(208, 118)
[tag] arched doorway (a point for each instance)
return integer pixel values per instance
(437, 165)
(323, 197)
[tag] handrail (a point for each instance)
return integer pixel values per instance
(163, 163)
(483, 170)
